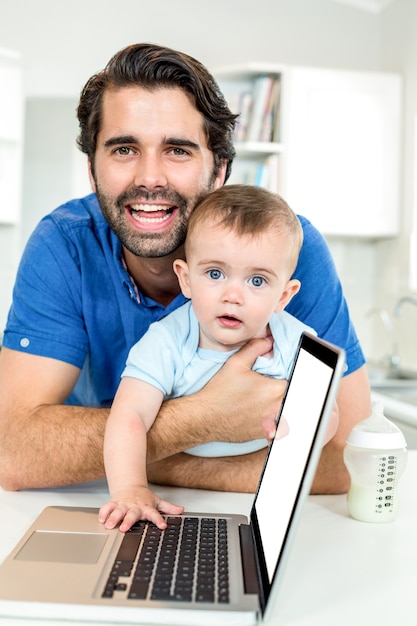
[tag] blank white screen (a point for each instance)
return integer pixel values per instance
(288, 457)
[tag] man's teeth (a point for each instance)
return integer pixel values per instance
(139, 209)
(148, 208)
(148, 220)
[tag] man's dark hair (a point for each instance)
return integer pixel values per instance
(154, 67)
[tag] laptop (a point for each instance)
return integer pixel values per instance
(67, 566)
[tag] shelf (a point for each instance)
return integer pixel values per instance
(254, 91)
(336, 154)
(248, 70)
(262, 148)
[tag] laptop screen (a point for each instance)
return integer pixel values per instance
(285, 471)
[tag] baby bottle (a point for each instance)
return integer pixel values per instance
(375, 456)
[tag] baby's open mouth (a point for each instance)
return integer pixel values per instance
(229, 321)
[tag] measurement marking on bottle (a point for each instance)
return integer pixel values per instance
(386, 478)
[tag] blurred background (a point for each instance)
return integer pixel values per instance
(57, 46)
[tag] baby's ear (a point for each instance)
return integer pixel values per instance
(181, 270)
(291, 288)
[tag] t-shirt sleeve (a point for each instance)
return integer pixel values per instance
(321, 303)
(154, 359)
(45, 317)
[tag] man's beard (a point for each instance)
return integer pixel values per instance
(148, 244)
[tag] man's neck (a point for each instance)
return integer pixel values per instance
(154, 277)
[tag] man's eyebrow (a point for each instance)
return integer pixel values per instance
(181, 141)
(117, 141)
(168, 141)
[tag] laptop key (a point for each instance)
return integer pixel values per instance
(188, 561)
(138, 590)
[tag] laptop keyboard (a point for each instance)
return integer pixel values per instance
(187, 562)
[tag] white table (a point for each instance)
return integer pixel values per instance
(340, 572)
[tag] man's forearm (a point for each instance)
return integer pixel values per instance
(242, 473)
(354, 402)
(56, 445)
(331, 475)
(235, 473)
(177, 428)
(231, 407)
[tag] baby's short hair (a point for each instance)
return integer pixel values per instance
(249, 211)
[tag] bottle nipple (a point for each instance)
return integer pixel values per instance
(377, 431)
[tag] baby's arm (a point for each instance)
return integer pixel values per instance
(133, 412)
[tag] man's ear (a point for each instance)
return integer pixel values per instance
(90, 176)
(291, 288)
(181, 270)
(219, 180)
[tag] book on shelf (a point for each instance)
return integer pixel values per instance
(256, 174)
(262, 176)
(244, 107)
(270, 127)
(259, 110)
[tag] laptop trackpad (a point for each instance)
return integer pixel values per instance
(63, 547)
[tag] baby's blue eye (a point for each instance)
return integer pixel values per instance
(215, 274)
(257, 281)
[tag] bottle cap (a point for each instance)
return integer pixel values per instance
(377, 432)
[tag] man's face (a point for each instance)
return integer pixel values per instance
(151, 167)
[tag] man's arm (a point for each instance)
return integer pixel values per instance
(354, 401)
(44, 443)
(229, 473)
(242, 473)
(231, 407)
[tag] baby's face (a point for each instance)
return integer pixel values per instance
(235, 283)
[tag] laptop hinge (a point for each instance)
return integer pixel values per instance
(250, 574)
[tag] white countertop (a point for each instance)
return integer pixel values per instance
(340, 572)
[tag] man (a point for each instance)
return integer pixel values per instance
(94, 275)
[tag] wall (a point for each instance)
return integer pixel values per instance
(62, 44)
(72, 40)
(387, 275)
(399, 53)
(51, 127)
(9, 257)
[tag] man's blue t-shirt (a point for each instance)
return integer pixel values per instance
(74, 300)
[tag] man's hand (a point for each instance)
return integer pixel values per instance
(44, 443)
(231, 407)
(272, 431)
(242, 473)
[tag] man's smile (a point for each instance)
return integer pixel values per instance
(150, 213)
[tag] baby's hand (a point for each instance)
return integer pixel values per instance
(138, 504)
(270, 429)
